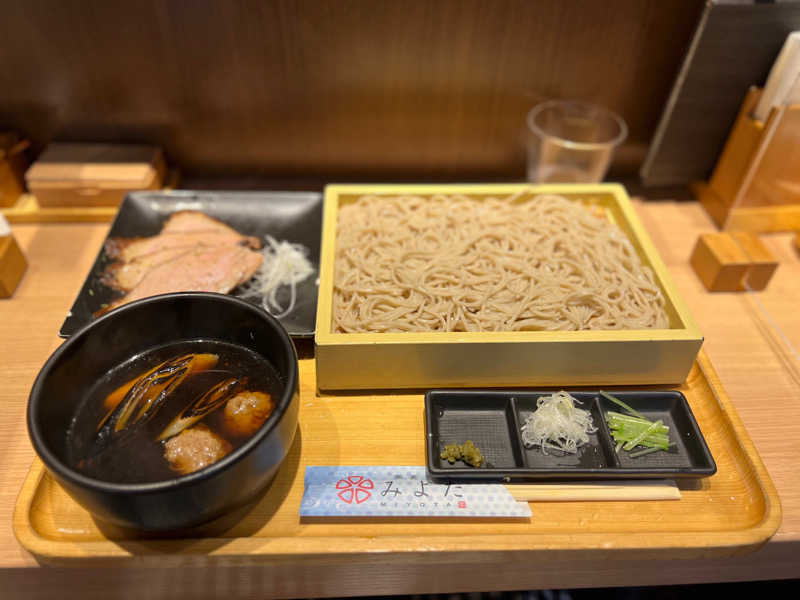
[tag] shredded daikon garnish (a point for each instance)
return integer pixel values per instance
(558, 424)
(284, 264)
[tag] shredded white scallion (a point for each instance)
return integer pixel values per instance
(284, 263)
(557, 424)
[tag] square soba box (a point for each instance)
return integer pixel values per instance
(431, 359)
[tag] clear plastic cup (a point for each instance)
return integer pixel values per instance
(571, 142)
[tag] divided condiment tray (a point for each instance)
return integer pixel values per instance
(493, 420)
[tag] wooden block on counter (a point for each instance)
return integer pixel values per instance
(12, 265)
(719, 262)
(762, 263)
(728, 262)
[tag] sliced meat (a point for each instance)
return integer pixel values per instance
(128, 250)
(194, 449)
(126, 276)
(187, 221)
(217, 269)
(194, 252)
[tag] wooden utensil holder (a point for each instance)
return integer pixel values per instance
(756, 184)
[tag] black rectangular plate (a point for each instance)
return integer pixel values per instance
(292, 216)
(492, 420)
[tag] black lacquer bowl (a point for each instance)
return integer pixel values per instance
(128, 331)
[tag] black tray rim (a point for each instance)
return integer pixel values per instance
(436, 473)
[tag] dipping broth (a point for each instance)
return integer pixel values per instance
(171, 411)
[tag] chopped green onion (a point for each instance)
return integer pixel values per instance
(648, 440)
(637, 430)
(629, 433)
(619, 402)
(635, 441)
(626, 419)
(648, 451)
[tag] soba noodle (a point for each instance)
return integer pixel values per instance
(452, 263)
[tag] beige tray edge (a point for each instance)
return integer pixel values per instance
(396, 549)
(774, 512)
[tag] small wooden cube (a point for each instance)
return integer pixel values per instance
(762, 263)
(12, 265)
(719, 262)
(732, 262)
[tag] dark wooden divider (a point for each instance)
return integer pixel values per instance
(434, 89)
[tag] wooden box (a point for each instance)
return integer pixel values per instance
(12, 168)
(501, 359)
(90, 175)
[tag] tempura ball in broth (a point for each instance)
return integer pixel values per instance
(246, 412)
(194, 449)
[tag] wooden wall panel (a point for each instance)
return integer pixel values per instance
(334, 87)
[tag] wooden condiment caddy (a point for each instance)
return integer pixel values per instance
(92, 175)
(12, 261)
(756, 183)
(12, 168)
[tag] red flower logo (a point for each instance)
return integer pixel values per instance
(354, 488)
(462, 504)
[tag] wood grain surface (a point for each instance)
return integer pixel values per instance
(434, 88)
(757, 370)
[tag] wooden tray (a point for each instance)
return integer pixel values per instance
(733, 512)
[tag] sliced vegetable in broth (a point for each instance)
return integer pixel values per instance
(202, 406)
(161, 414)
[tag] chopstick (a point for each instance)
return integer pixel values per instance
(656, 489)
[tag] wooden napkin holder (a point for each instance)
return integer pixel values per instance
(756, 183)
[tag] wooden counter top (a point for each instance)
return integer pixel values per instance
(756, 368)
